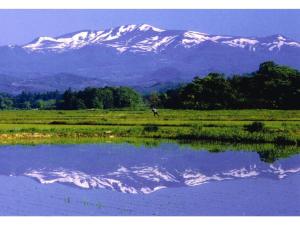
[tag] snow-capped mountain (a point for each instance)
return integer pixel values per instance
(139, 55)
(146, 38)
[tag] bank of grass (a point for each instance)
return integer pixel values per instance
(281, 127)
(267, 152)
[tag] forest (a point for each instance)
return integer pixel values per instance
(272, 86)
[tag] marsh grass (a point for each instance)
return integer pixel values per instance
(285, 140)
(151, 128)
(255, 127)
(281, 127)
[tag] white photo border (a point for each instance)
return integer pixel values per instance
(149, 4)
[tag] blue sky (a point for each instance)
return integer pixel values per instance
(22, 26)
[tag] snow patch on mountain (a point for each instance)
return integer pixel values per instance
(146, 38)
(242, 42)
(146, 27)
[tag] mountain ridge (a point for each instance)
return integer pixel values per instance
(140, 56)
(156, 37)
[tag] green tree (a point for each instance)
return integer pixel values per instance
(155, 99)
(5, 102)
(126, 97)
(272, 86)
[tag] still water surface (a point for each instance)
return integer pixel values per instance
(122, 179)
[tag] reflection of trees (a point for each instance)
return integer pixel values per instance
(268, 153)
(271, 155)
(216, 150)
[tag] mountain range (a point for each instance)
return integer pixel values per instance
(141, 56)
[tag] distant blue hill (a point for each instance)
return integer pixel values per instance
(142, 56)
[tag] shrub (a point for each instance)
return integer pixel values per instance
(87, 123)
(255, 127)
(151, 128)
(285, 140)
(58, 122)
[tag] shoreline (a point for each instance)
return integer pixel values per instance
(280, 127)
(256, 138)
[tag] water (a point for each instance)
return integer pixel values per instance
(121, 179)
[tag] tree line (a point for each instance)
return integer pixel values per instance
(100, 98)
(272, 86)
(89, 98)
(27, 100)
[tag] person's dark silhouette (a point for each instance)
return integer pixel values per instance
(155, 112)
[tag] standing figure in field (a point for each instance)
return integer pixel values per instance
(155, 112)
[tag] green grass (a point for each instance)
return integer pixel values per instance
(281, 127)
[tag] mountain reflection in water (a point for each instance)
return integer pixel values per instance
(130, 169)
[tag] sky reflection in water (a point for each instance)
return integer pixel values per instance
(130, 169)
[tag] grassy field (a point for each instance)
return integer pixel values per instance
(281, 127)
